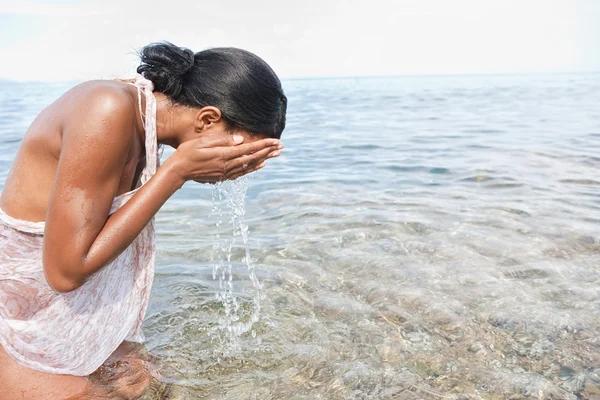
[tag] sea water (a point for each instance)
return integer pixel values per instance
(419, 237)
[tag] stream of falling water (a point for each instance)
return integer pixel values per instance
(228, 212)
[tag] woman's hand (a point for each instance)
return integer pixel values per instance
(213, 160)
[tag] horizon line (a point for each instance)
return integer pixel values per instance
(333, 77)
(449, 74)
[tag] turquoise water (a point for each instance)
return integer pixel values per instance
(419, 237)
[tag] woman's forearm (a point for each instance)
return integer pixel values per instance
(192, 160)
(125, 224)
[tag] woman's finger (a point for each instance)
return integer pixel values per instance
(244, 169)
(224, 141)
(249, 163)
(242, 173)
(233, 174)
(251, 148)
(246, 161)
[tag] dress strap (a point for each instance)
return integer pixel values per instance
(145, 87)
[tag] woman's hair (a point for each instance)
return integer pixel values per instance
(237, 82)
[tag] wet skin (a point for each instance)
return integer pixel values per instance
(81, 152)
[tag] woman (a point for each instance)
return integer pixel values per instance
(76, 213)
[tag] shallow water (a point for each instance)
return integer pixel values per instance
(419, 237)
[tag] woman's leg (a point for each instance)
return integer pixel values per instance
(124, 376)
(21, 383)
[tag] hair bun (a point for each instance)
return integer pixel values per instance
(166, 65)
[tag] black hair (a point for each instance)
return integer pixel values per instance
(235, 81)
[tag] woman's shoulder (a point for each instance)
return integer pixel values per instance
(99, 112)
(98, 105)
(108, 96)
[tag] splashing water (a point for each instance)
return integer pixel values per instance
(228, 210)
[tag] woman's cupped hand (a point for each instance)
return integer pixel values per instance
(211, 160)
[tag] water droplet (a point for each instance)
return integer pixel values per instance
(229, 205)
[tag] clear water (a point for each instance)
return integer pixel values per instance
(427, 237)
(229, 206)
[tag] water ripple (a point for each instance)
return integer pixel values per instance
(418, 238)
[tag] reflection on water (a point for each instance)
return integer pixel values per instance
(418, 238)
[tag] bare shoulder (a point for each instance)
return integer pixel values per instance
(102, 97)
(89, 130)
(99, 111)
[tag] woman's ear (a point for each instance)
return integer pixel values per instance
(207, 117)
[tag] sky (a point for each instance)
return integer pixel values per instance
(78, 40)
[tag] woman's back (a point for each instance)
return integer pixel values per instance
(27, 189)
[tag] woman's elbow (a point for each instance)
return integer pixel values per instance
(60, 282)
(62, 286)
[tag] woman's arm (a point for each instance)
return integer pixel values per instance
(79, 237)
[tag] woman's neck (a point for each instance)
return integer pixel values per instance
(174, 123)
